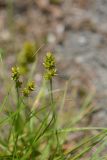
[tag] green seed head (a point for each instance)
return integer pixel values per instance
(49, 74)
(31, 86)
(49, 61)
(49, 64)
(26, 92)
(27, 54)
(15, 73)
(16, 76)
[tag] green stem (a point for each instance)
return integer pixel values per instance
(51, 91)
(52, 100)
(15, 120)
(17, 91)
(54, 116)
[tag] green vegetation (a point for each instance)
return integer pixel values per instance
(30, 121)
(56, 1)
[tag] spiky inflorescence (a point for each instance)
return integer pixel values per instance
(16, 76)
(49, 64)
(29, 88)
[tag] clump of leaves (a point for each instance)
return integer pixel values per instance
(35, 132)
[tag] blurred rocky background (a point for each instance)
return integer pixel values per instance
(76, 31)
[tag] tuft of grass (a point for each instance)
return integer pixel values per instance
(31, 127)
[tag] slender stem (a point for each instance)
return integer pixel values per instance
(52, 100)
(15, 120)
(51, 91)
(54, 116)
(17, 91)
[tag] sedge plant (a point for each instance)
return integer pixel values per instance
(51, 71)
(32, 129)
